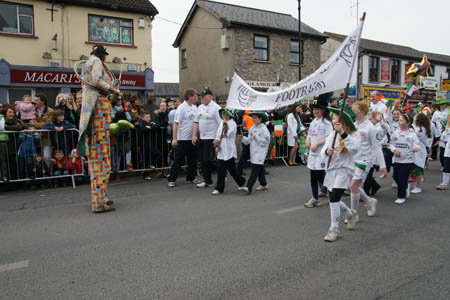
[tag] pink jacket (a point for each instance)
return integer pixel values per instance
(27, 111)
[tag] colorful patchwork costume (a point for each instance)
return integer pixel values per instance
(95, 122)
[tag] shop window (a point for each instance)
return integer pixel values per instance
(110, 30)
(374, 68)
(395, 71)
(16, 18)
(17, 94)
(294, 52)
(183, 58)
(261, 46)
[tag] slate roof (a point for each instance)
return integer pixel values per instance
(235, 15)
(392, 49)
(166, 89)
(135, 6)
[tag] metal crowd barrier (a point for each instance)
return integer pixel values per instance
(19, 156)
(134, 150)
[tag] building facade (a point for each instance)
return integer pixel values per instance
(218, 39)
(42, 40)
(383, 68)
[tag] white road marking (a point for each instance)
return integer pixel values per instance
(14, 266)
(288, 210)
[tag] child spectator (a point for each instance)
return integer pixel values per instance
(147, 133)
(259, 140)
(39, 170)
(60, 167)
(26, 109)
(28, 141)
(302, 148)
(78, 166)
(61, 139)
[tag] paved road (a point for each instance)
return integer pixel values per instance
(187, 244)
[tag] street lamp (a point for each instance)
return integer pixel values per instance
(300, 50)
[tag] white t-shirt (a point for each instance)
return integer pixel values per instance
(319, 129)
(208, 120)
(185, 117)
(404, 141)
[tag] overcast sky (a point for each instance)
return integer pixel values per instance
(422, 25)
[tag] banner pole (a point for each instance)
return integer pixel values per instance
(344, 100)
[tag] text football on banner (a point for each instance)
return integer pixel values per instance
(333, 75)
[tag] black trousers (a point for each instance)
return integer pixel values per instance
(441, 155)
(370, 184)
(388, 155)
(434, 149)
(336, 195)
(401, 175)
(245, 156)
(184, 149)
(206, 159)
(317, 177)
(222, 167)
(257, 173)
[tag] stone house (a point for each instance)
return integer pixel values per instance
(218, 39)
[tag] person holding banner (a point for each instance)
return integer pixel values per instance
(370, 146)
(340, 170)
(319, 129)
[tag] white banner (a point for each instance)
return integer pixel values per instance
(333, 75)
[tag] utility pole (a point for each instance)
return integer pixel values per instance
(300, 48)
(357, 10)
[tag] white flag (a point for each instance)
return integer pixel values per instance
(333, 75)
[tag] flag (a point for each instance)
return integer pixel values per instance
(278, 128)
(273, 152)
(412, 89)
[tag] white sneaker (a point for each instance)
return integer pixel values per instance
(262, 188)
(312, 202)
(400, 201)
(394, 184)
(148, 178)
(215, 192)
(245, 189)
(171, 184)
(331, 235)
(322, 194)
(372, 207)
(351, 221)
(408, 192)
(416, 190)
(202, 185)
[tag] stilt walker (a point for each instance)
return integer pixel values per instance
(95, 121)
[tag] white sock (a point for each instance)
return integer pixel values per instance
(445, 178)
(354, 198)
(345, 209)
(367, 200)
(335, 215)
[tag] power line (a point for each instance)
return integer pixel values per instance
(192, 26)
